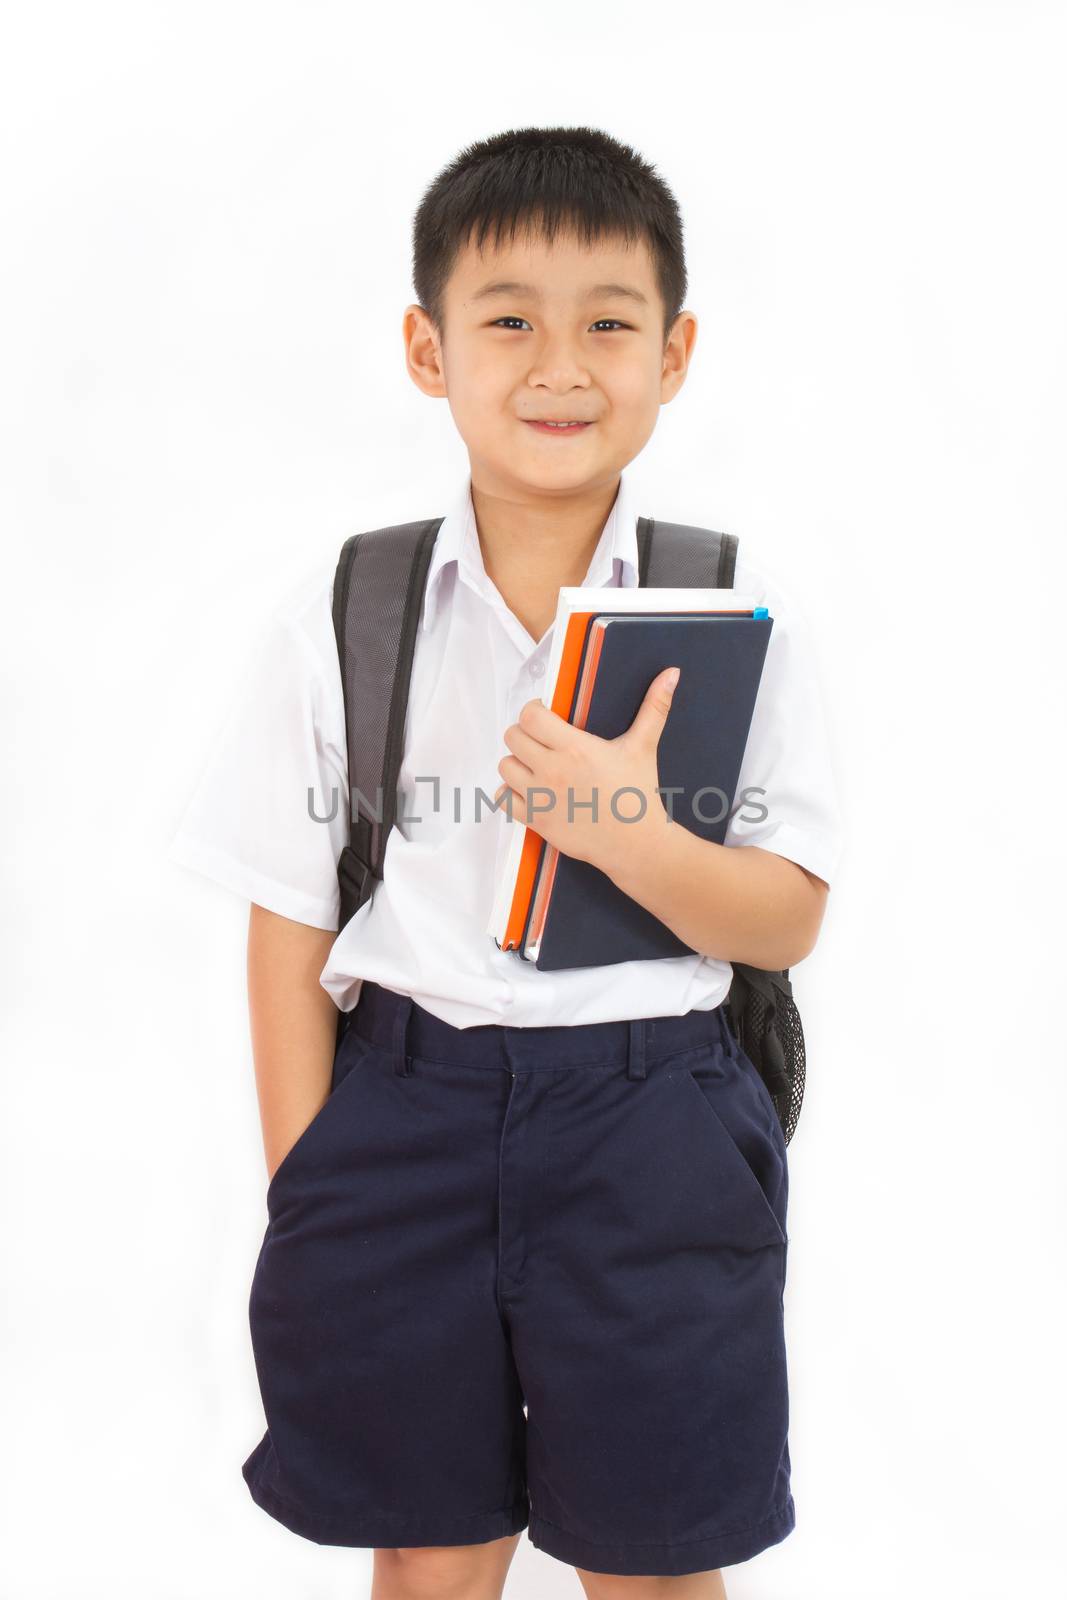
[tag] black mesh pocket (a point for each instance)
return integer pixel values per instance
(764, 1020)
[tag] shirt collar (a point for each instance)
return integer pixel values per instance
(457, 543)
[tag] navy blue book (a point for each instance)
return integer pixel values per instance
(578, 917)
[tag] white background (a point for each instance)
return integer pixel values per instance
(206, 262)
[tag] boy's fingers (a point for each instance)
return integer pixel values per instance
(651, 716)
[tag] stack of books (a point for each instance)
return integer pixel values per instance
(558, 912)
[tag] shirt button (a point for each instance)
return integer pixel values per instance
(536, 668)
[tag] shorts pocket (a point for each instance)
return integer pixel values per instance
(737, 1113)
(351, 1053)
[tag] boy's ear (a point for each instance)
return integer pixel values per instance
(422, 347)
(678, 354)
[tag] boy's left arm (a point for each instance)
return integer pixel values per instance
(733, 904)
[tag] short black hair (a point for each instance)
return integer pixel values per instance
(547, 179)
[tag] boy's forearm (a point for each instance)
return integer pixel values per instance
(731, 903)
(294, 1026)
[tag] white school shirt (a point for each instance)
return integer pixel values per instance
(423, 933)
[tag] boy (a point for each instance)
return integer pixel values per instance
(526, 1240)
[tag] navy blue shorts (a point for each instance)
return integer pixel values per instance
(530, 1277)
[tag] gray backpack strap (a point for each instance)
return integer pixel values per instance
(377, 601)
(673, 555)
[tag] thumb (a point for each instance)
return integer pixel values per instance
(652, 712)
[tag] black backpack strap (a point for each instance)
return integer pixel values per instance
(377, 601)
(673, 555)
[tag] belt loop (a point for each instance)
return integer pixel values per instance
(635, 1064)
(401, 1059)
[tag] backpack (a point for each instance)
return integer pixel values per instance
(377, 604)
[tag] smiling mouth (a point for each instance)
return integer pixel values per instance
(556, 427)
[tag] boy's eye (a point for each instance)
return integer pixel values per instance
(598, 324)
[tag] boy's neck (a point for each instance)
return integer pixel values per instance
(530, 551)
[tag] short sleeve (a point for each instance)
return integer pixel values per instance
(793, 807)
(267, 818)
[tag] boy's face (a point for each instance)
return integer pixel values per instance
(534, 332)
